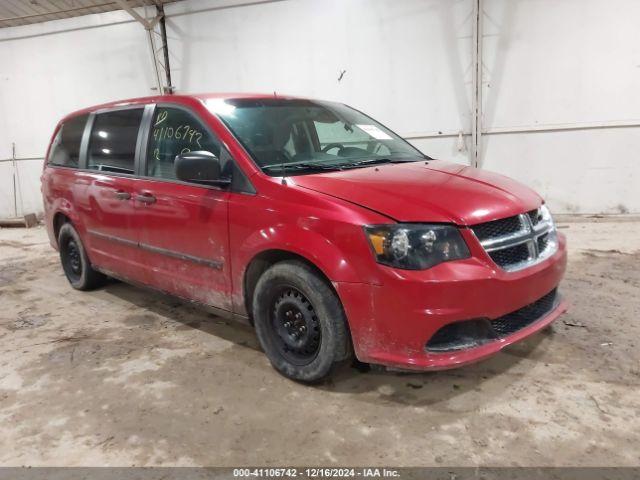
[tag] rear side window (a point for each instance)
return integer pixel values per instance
(65, 148)
(176, 131)
(112, 146)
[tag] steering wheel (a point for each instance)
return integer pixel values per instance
(326, 148)
(288, 157)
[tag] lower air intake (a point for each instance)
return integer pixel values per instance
(476, 332)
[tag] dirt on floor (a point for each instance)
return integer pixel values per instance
(124, 376)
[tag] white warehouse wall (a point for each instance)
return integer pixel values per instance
(408, 63)
(568, 64)
(50, 69)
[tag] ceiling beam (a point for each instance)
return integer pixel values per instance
(147, 24)
(56, 12)
(15, 13)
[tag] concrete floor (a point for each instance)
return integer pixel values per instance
(122, 376)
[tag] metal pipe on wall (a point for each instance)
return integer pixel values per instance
(154, 60)
(15, 188)
(542, 127)
(476, 113)
(165, 47)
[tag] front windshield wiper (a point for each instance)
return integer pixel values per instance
(371, 161)
(339, 166)
(374, 161)
(300, 166)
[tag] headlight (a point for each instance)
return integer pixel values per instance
(416, 247)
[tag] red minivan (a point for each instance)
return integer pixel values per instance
(325, 230)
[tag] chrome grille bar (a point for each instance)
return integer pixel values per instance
(528, 234)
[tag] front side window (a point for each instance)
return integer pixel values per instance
(175, 131)
(112, 146)
(304, 136)
(65, 149)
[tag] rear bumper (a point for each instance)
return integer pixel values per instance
(392, 323)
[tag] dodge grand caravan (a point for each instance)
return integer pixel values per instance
(322, 228)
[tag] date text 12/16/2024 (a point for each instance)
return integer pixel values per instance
(315, 473)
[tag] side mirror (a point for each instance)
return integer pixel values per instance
(199, 167)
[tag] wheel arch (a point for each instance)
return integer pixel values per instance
(262, 261)
(59, 219)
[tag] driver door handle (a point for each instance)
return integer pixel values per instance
(122, 195)
(146, 197)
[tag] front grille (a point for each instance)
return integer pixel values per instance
(543, 242)
(535, 216)
(511, 255)
(473, 333)
(497, 228)
(517, 242)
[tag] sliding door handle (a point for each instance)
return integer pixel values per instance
(146, 197)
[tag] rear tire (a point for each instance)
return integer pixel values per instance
(300, 322)
(75, 263)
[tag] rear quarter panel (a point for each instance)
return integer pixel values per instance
(58, 196)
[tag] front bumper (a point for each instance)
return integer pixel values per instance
(391, 323)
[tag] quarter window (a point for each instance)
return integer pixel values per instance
(114, 135)
(65, 149)
(175, 131)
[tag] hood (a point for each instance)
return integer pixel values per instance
(436, 191)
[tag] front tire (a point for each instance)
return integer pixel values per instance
(75, 263)
(300, 322)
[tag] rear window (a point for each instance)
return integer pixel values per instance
(114, 135)
(65, 148)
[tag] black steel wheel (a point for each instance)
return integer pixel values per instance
(295, 326)
(75, 262)
(72, 261)
(300, 321)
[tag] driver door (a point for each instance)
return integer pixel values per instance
(184, 231)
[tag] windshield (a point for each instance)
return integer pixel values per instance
(304, 136)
